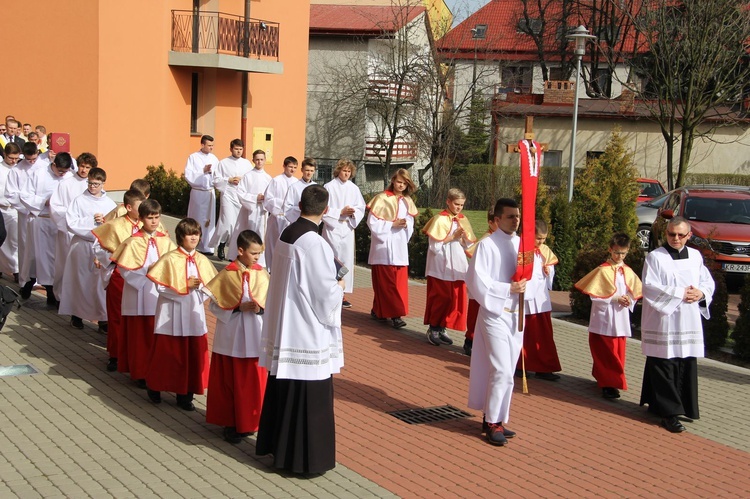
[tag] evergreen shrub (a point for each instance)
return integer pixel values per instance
(171, 190)
(419, 244)
(741, 332)
(716, 329)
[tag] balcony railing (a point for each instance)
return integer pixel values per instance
(220, 33)
(402, 149)
(386, 88)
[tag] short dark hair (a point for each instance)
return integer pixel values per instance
(29, 149)
(12, 148)
(236, 143)
(88, 159)
(142, 185)
(97, 174)
(503, 203)
(62, 160)
(32, 135)
(131, 196)
(290, 160)
(309, 161)
(541, 227)
(248, 237)
(185, 227)
(206, 138)
(314, 200)
(620, 239)
(259, 151)
(149, 207)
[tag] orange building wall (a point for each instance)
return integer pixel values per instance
(123, 102)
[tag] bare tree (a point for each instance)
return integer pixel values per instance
(694, 69)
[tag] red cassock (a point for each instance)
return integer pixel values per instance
(235, 392)
(188, 352)
(471, 318)
(134, 348)
(446, 304)
(114, 315)
(539, 346)
(390, 284)
(608, 353)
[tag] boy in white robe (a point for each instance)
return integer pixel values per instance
(294, 194)
(273, 202)
(236, 382)
(253, 215)
(134, 257)
(497, 341)
(199, 173)
(9, 249)
(302, 346)
(40, 186)
(81, 276)
(16, 185)
(226, 179)
(677, 292)
(179, 354)
(61, 199)
(346, 209)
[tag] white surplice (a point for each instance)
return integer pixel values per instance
(82, 290)
(202, 205)
(66, 191)
(447, 261)
(301, 337)
(17, 183)
(536, 297)
(230, 202)
(670, 327)
(9, 249)
(390, 245)
(252, 214)
(238, 334)
(181, 315)
(608, 317)
(274, 205)
(292, 199)
(41, 184)
(497, 341)
(339, 230)
(139, 294)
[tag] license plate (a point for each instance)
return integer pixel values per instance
(736, 267)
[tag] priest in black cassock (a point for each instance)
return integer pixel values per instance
(302, 345)
(677, 291)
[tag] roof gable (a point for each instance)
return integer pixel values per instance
(361, 19)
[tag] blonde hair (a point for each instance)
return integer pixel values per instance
(455, 193)
(344, 163)
(403, 173)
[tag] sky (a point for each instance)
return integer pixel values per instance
(464, 8)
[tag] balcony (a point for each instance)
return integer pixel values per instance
(224, 41)
(389, 89)
(403, 150)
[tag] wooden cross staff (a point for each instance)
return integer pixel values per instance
(528, 134)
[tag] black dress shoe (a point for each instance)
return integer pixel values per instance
(672, 424)
(547, 376)
(76, 322)
(231, 435)
(26, 289)
(154, 396)
(610, 393)
(103, 327)
(185, 402)
(373, 316)
(346, 304)
(220, 251)
(112, 365)
(467, 346)
(141, 383)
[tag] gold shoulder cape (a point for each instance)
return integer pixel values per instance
(600, 282)
(111, 234)
(226, 287)
(117, 212)
(385, 206)
(131, 254)
(171, 270)
(473, 248)
(547, 255)
(439, 226)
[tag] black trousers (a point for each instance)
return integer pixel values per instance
(670, 387)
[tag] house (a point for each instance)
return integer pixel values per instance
(138, 83)
(365, 85)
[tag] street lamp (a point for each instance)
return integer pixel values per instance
(580, 35)
(478, 32)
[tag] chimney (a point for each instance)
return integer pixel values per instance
(559, 92)
(627, 100)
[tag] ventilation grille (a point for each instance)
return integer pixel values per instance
(430, 414)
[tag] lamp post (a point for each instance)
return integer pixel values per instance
(478, 32)
(580, 35)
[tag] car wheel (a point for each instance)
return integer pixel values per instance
(643, 234)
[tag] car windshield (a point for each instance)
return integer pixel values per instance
(657, 202)
(650, 189)
(717, 210)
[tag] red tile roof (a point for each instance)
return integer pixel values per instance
(360, 19)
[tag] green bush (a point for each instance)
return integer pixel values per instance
(717, 178)
(741, 332)
(362, 236)
(419, 244)
(172, 191)
(716, 329)
(563, 240)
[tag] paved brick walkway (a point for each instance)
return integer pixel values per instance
(74, 430)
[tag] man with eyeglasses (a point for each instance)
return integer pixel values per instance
(677, 291)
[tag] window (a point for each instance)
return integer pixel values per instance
(194, 104)
(553, 158)
(530, 26)
(516, 77)
(555, 74)
(323, 172)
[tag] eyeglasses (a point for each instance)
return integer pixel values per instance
(96, 184)
(676, 234)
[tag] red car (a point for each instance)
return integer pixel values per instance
(719, 216)
(649, 189)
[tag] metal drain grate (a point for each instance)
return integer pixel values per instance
(17, 370)
(430, 414)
